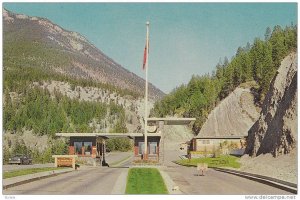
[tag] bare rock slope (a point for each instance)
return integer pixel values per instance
(175, 135)
(233, 116)
(275, 131)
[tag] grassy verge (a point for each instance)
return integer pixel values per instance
(222, 161)
(22, 172)
(145, 181)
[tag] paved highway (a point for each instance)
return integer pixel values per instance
(217, 183)
(102, 180)
(214, 182)
(87, 180)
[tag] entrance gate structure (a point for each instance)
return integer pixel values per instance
(93, 144)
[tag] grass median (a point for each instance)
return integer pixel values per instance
(145, 181)
(222, 161)
(10, 174)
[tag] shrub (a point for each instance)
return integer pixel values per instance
(119, 144)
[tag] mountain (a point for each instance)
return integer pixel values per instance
(56, 81)
(233, 116)
(67, 53)
(275, 131)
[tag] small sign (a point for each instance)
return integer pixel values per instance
(63, 161)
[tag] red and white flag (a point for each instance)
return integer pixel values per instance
(146, 52)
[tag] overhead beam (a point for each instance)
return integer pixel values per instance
(105, 135)
(222, 137)
(172, 121)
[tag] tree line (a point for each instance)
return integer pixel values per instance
(47, 114)
(54, 147)
(254, 64)
(37, 110)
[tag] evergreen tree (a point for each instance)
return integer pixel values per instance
(226, 62)
(279, 50)
(248, 47)
(268, 33)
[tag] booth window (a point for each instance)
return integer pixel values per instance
(87, 148)
(141, 147)
(152, 147)
(78, 147)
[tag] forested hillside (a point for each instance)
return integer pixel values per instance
(254, 65)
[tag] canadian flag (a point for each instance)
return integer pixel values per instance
(146, 52)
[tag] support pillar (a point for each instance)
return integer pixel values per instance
(161, 142)
(82, 151)
(103, 153)
(73, 162)
(55, 162)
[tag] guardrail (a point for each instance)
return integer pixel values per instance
(284, 185)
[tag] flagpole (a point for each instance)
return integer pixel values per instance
(146, 93)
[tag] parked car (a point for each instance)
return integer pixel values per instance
(20, 160)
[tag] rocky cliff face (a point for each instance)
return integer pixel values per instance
(233, 116)
(275, 131)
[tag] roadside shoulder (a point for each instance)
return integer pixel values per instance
(171, 186)
(19, 180)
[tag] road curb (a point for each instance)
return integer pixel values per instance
(169, 183)
(284, 185)
(19, 180)
(120, 185)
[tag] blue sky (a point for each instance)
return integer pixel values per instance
(185, 38)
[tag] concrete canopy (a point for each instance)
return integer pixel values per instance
(105, 135)
(221, 137)
(167, 121)
(172, 121)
